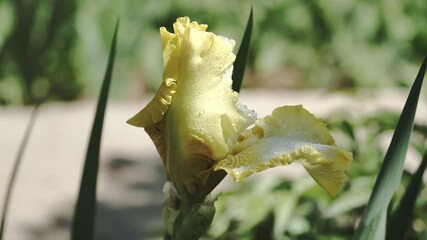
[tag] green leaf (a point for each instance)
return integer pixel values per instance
(371, 225)
(283, 213)
(402, 216)
(348, 129)
(242, 55)
(83, 225)
(15, 168)
(347, 201)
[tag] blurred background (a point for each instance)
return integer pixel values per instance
(52, 50)
(349, 62)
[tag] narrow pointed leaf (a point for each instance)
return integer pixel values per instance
(15, 169)
(242, 55)
(392, 167)
(83, 225)
(402, 216)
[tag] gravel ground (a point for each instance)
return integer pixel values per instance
(131, 175)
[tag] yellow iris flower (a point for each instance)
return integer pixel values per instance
(199, 126)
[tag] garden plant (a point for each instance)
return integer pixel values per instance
(202, 132)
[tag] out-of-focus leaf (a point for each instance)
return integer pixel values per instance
(420, 148)
(372, 225)
(299, 225)
(15, 168)
(256, 204)
(384, 120)
(422, 129)
(242, 55)
(346, 202)
(402, 217)
(348, 129)
(283, 213)
(83, 225)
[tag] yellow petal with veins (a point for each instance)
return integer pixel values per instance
(204, 117)
(156, 108)
(290, 134)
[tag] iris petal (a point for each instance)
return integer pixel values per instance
(156, 108)
(290, 134)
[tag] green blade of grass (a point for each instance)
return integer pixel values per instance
(83, 225)
(239, 70)
(15, 168)
(390, 174)
(402, 217)
(242, 55)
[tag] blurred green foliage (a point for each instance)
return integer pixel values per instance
(55, 50)
(36, 53)
(276, 208)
